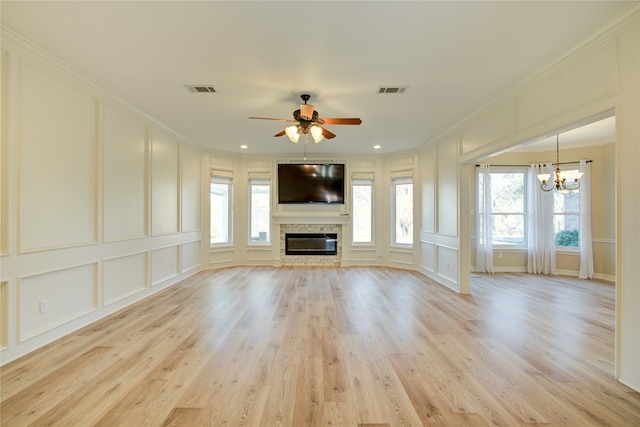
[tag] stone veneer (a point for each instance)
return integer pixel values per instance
(328, 260)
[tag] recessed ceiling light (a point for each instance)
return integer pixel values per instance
(377, 147)
(244, 147)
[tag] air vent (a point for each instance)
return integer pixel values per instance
(396, 89)
(200, 88)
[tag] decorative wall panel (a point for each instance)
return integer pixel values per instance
(51, 299)
(447, 188)
(125, 176)
(58, 140)
(165, 155)
(164, 264)
(190, 255)
(124, 276)
(191, 179)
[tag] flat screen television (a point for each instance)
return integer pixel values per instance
(311, 183)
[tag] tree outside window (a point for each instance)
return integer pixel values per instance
(403, 211)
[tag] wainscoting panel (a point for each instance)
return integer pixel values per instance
(190, 190)
(260, 255)
(53, 298)
(447, 263)
(125, 176)
(190, 253)
(125, 276)
(165, 154)
(57, 169)
(164, 264)
(401, 258)
(428, 256)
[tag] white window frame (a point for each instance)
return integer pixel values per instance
(363, 179)
(257, 179)
(224, 178)
(401, 178)
(513, 169)
(572, 249)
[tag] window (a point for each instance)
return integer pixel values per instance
(508, 191)
(507, 206)
(566, 218)
(362, 206)
(260, 210)
(402, 210)
(221, 208)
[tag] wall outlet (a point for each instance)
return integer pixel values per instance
(44, 306)
(499, 254)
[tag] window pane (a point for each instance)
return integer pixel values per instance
(220, 212)
(362, 206)
(566, 218)
(404, 213)
(508, 229)
(507, 208)
(260, 212)
(566, 228)
(507, 192)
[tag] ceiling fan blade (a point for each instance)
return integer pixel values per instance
(342, 121)
(270, 118)
(280, 133)
(327, 134)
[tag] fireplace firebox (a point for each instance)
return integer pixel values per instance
(311, 243)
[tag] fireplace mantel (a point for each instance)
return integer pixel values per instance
(310, 218)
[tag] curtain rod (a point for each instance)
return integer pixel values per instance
(522, 166)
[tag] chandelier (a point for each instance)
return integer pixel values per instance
(564, 181)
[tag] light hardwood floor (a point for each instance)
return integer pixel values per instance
(331, 346)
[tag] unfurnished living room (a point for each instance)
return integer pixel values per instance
(305, 213)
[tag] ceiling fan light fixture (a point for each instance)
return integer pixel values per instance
(316, 133)
(306, 111)
(293, 133)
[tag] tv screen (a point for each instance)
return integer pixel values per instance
(311, 183)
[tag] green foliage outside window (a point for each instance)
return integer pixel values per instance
(567, 238)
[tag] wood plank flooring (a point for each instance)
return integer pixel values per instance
(332, 346)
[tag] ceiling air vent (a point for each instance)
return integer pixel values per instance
(397, 89)
(200, 88)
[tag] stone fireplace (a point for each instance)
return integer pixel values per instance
(313, 244)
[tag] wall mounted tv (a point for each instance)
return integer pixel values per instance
(311, 183)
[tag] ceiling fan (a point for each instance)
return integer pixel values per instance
(309, 123)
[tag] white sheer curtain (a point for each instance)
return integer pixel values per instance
(586, 249)
(484, 235)
(541, 245)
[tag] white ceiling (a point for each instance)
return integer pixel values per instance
(454, 56)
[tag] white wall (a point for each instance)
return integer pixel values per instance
(600, 76)
(100, 205)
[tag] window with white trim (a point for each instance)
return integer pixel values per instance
(259, 210)
(402, 209)
(566, 218)
(508, 205)
(362, 207)
(221, 196)
(508, 195)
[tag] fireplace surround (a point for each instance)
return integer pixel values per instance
(307, 259)
(311, 244)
